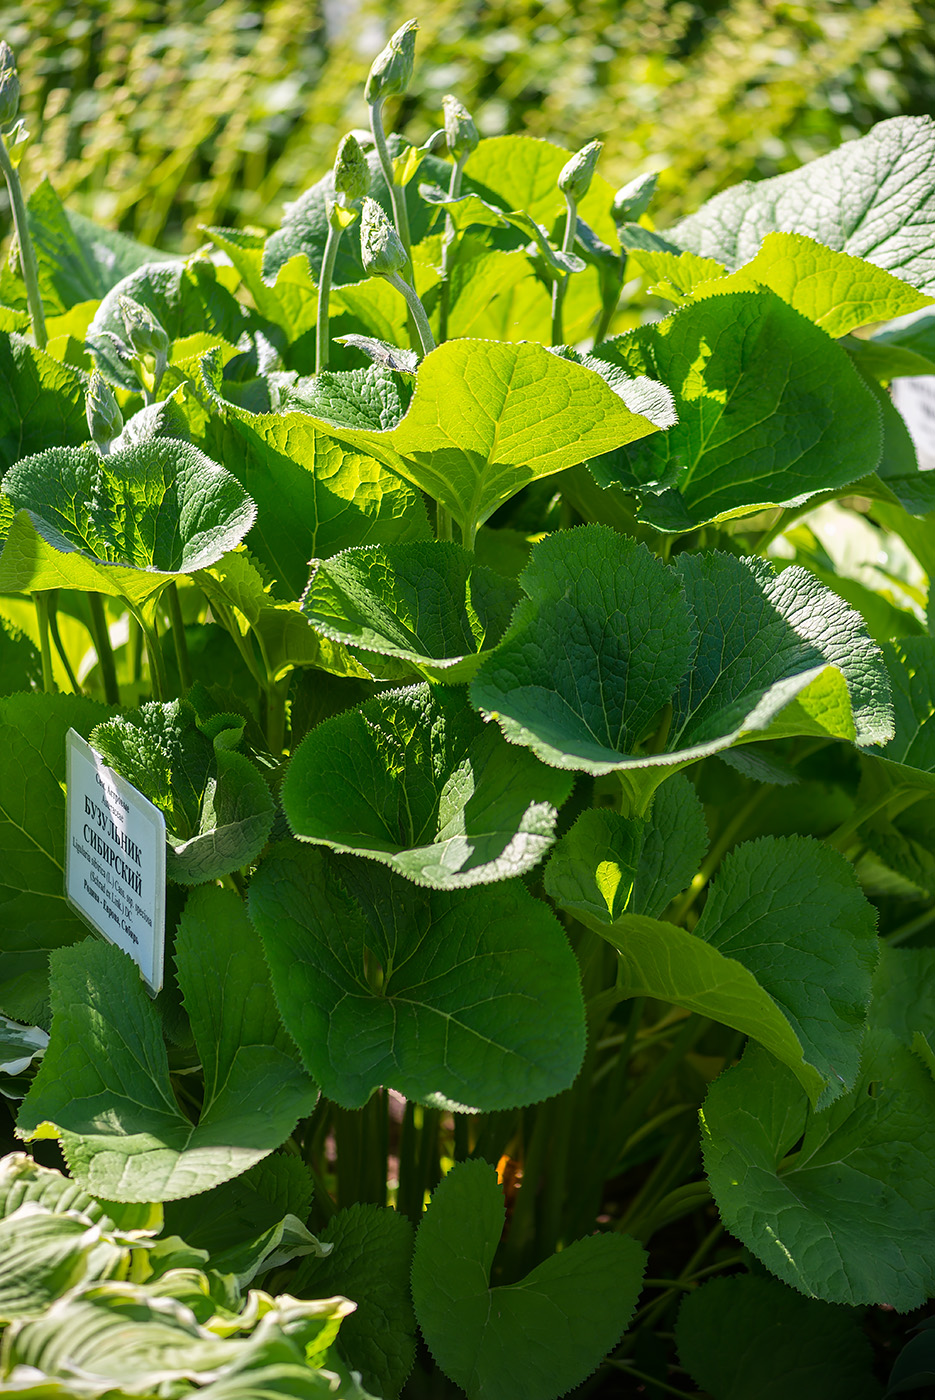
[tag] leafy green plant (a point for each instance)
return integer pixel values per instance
(541, 723)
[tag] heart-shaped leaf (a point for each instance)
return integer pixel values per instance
(122, 1132)
(848, 1215)
(468, 999)
(741, 364)
(487, 418)
(429, 605)
(124, 524)
(909, 756)
(531, 1340)
(609, 637)
(416, 780)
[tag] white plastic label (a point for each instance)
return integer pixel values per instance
(115, 859)
(915, 399)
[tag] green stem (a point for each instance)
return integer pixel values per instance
(897, 800)
(561, 282)
(277, 693)
(157, 671)
(448, 243)
(646, 1379)
(417, 309)
(322, 338)
(27, 254)
(722, 845)
(443, 523)
(397, 194)
(910, 928)
(609, 305)
(178, 637)
(57, 640)
(105, 654)
(41, 601)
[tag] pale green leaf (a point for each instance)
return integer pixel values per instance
(122, 1131)
(488, 418)
(836, 290)
(872, 198)
(122, 524)
(531, 1340)
(43, 1255)
(465, 999)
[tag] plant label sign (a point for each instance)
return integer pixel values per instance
(915, 399)
(115, 861)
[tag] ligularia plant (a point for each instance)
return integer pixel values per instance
(476, 644)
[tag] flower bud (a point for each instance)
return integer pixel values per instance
(575, 177)
(633, 198)
(460, 131)
(9, 87)
(144, 332)
(351, 171)
(105, 421)
(392, 69)
(380, 249)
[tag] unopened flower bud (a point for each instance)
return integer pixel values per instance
(633, 198)
(105, 421)
(460, 131)
(391, 72)
(9, 87)
(380, 249)
(144, 332)
(351, 171)
(575, 177)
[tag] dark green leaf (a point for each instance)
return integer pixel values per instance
(467, 999)
(122, 1131)
(532, 1340)
(416, 780)
(369, 1264)
(747, 1337)
(429, 605)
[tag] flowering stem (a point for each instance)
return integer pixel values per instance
(322, 339)
(27, 255)
(417, 309)
(454, 189)
(561, 282)
(397, 194)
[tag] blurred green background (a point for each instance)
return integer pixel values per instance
(156, 117)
